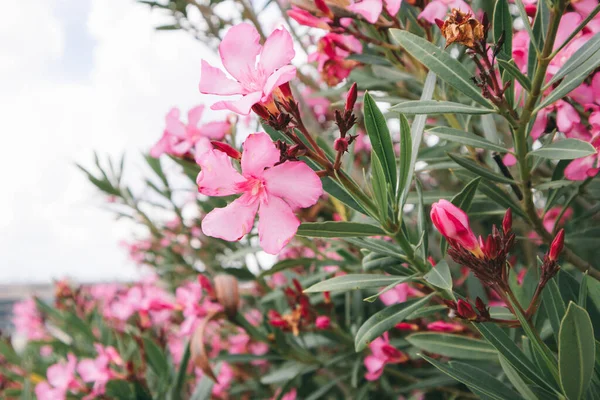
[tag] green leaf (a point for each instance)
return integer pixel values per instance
(513, 355)
(576, 351)
(119, 389)
(554, 305)
(525, 18)
(355, 282)
(338, 229)
(477, 379)
(379, 186)
(472, 166)
(381, 140)
(466, 138)
(511, 68)
(439, 276)
(435, 107)
(297, 262)
(565, 149)
(155, 357)
(571, 81)
(503, 27)
(404, 158)
(385, 320)
(453, 346)
(518, 382)
(441, 63)
(177, 388)
(584, 53)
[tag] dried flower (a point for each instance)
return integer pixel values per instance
(461, 27)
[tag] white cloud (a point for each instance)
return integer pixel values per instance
(50, 222)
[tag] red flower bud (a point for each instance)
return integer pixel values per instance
(322, 6)
(323, 322)
(206, 285)
(557, 245)
(227, 149)
(507, 221)
(351, 97)
(465, 310)
(340, 145)
(453, 223)
(531, 9)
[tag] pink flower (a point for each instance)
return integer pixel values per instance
(382, 353)
(332, 54)
(323, 322)
(97, 371)
(226, 375)
(437, 9)
(551, 216)
(443, 326)
(305, 18)
(586, 167)
(61, 379)
(28, 320)
(267, 188)
(371, 9)
(453, 224)
(179, 138)
(398, 294)
(256, 82)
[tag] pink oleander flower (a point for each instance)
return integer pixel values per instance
(194, 306)
(179, 138)
(437, 9)
(61, 380)
(332, 54)
(453, 224)
(28, 320)
(271, 189)
(550, 218)
(371, 9)
(382, 353)
(586, 167)
(97, 371)
(152, 304)
(443, 326)
(398, 294)
(255, 81)
(225, 378)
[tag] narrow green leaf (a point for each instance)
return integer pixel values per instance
(381, 140)
(583, 54)
(482, 382)
(379, 186)
(480, 170)
(441, 63)
(453, 346)
(404, 157)
(511, 68)
(355, 282)
(576, 352)
(155, 357)
(435, 107)
(439, 276)
(554, 305)
(338, 229)
(525, 18)
(565, 149)
(177, 388)
(385, 320)
(515, 378)
(466, 138)
(503, 27)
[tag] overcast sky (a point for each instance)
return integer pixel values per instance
(78, 76)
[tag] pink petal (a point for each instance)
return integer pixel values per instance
(393, 6)
(241, 106)
(374, 367)
(239, 49)
(215, 130)
(201, 147)
(194, 115)
(596, 87)
(577, 170)
(567, 25)
(230, 223)
(214, 81)
(566, 116)
(259, 153)
(217, 177)
(434, 10)
(174, 126)
(277, 224)
(279, 77)
(295, 182)
(164, 145)
(277, 51)
(369, 9)
(182, 147)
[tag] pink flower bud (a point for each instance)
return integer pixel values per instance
(322, 6)
(351, 98)
(323, 322)
(227, 149)
(340, 145)
(465, 310)
(453, 224)
(557, 245)
(507, 221)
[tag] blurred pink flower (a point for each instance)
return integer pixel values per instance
(28, 320)
(443, 326)
(97, 371)
(438, 9)
(254, 81)
(371, 9)
(332, 55)
(61, 380)
(586, 167)
(550, 218)
(382, 353)
(270, 188)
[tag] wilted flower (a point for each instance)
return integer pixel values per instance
(461, 27)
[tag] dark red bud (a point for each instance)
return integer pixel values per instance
(491, 248)
(286, 91)
(507, 221)
(297, 285)
(327, 296)
(479, 303)
(439, 23)
(322, 6)
(206, 285)
(351, 97)
(431, 261)
(531, 9)
(341, 145)
(227, 149)
(557, 245)
(465, 310)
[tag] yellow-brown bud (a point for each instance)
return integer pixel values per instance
(227, 292)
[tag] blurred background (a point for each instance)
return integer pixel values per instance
(79, 76)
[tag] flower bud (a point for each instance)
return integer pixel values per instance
(557, 245)
(323, 322)
(507, 221)
(351, 98)
(322, 6)
(340, 145)
(465, 310)
(453, 224)
(227, 149)
(227, 293)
